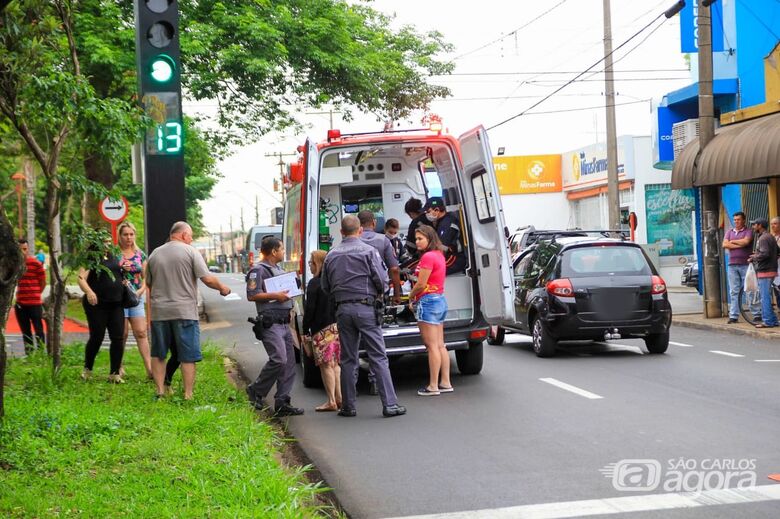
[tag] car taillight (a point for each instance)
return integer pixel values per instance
(659, 286)
(560, 287)
(478, 334)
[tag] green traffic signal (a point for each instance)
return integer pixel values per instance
(162, 68)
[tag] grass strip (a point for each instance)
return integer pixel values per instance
(93, 449)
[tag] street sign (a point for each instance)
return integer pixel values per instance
(113, 211)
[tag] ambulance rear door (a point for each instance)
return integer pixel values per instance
(486, 221)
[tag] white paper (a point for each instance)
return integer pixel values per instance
(285, 282)
(232, 297)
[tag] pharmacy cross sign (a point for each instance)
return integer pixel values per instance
(113, 210)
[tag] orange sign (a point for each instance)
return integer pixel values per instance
(528, 174)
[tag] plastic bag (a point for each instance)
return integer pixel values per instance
(751, 280)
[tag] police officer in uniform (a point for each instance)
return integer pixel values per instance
(273, 318)
(354, 275)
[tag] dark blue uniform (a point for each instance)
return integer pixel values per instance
(355, 277)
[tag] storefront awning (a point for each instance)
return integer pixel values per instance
(741, 152)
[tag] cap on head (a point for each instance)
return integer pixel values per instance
(435, 202)
(763, 222)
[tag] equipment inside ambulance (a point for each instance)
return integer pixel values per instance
(379, 172)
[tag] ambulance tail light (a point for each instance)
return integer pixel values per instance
(478, 334)
(334, 135)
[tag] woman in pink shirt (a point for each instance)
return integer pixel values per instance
(431, 308)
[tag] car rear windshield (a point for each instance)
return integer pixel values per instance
(604, 260)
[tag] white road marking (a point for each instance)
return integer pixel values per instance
(726, 353)
(620, 505)
(680, 344)
(569, 387)
(768, 360)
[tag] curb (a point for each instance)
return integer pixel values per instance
(727, 329)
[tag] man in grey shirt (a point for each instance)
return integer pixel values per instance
(172, 274)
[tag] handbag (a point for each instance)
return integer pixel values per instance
(129, 297)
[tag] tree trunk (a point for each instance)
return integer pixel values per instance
(29, 180)
(55, 312)
(11, 267)
(97, 169)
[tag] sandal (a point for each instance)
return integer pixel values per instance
(424, 391)
(446, 389)
(326, 408)
(762, 325)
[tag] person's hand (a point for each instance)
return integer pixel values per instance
(282, 297)
(127, 265)
(92, 298)
(224, 290)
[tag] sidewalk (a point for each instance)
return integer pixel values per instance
(688, 309)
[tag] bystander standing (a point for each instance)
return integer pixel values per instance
(764, 260)
(738, 243)
(29, 305)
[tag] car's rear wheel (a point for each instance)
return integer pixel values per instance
(657, 342)
(496, 335)
(311, 373)
(470, 360)
(544, 344)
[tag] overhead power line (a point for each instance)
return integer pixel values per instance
(575, 78)
(553, 72)
(581, 109)
(512, 32)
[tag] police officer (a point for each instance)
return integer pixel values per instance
(414, 210)
(273, 318)
(354, 275)
(384, 247)
(448, 229)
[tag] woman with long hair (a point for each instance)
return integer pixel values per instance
(133, 262)
(319, 323)
(103, 289)
(427, 296)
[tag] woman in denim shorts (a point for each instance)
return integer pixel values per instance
(431, 308)
(133, 261)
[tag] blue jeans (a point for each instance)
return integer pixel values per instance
(767, 312)
(737, 275)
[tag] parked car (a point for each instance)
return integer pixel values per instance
(214, 268)
(587, 288)
(690, 274)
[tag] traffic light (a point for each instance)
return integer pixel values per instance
(158, 62)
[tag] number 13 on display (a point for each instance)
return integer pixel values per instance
(169, 137)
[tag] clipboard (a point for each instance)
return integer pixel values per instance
(288, 282)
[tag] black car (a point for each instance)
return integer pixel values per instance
(690, 274)
(588, 288)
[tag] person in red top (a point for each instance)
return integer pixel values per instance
(427, 296)
(29, 306)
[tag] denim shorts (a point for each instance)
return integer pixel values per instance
(138, 310)
(431, 309)
(183, 334)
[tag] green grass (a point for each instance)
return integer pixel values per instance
(75, 310)
(69, 447)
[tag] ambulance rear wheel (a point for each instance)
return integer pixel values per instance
(470, 360)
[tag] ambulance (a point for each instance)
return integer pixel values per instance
(348, 173)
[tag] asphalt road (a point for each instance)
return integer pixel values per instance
(531, 437)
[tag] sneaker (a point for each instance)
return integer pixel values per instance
(446, 389)
(393, 410)
(758, 319)
(731, 320)
(287, 410)
(86, 374)
(424, 391)
(115, 379)
(349, 413)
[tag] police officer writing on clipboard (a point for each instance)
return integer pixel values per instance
(273, 318)
(354, 275)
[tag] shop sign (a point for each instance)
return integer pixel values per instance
(689, 27)
(528, 174)
(588, 167)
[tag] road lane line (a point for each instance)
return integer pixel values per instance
(680, 344)
(620, 505)
(569, 387)
(726, 353)
(767, 360)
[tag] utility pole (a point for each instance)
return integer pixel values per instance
(281, 170)
(29, 180)
(710, 195)
(257, 212)
(613, 193)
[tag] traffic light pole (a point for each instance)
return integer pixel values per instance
(158, 63)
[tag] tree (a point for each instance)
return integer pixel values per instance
(48, 102)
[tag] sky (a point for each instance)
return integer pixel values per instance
(509, 55)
